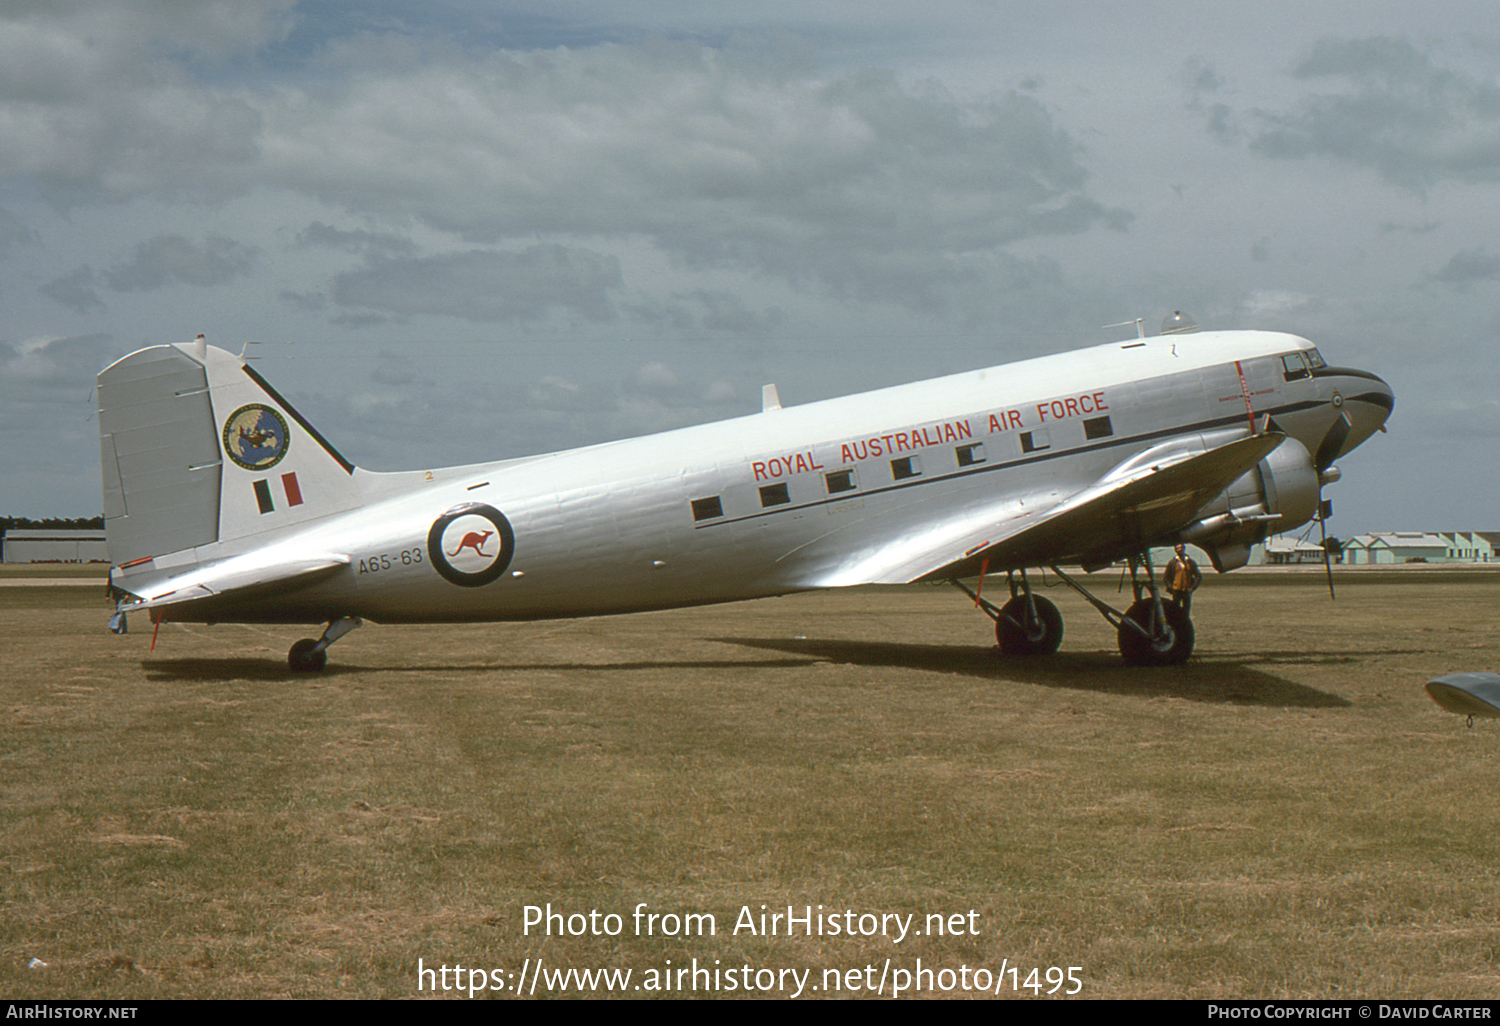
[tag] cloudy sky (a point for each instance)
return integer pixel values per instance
(456, 230)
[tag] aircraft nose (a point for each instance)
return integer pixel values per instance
(1367, 400)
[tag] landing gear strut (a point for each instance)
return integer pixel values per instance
(1154, 631)
(1029, 625)
(1026, 625)
(309, 656)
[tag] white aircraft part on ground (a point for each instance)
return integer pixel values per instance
(1467, 694)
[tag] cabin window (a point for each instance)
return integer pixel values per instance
(1035, 441)
(1098, 427)
(840, 481)
(1315, 359)
(775, 495)
(707, 509)
(1294, 366)
(906, 466)
(968, 455)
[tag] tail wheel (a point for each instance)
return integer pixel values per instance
(1164, 644)
(306, 657)
(1035, 631)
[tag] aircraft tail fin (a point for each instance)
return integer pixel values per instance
(197, 448)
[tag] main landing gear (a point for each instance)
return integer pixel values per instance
(309, 656)
(1154, 631)
(1028, 624)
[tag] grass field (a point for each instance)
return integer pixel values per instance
(1287, 815)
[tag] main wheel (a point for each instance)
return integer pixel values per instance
(1037, 633)
(306, 657)
(1169, 644)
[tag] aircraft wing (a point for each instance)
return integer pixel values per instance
(1138, 502)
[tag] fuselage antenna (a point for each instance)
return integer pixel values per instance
(1140, 330)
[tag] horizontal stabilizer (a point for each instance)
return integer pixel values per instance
(247, 577)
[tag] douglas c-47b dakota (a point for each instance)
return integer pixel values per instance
(223, 504)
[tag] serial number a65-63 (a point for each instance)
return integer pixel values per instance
(390, 561)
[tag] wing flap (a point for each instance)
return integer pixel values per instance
(1139, 501)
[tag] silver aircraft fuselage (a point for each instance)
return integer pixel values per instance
(882, 487)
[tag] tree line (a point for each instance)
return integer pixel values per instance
(51, 524)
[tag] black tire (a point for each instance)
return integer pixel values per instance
(1168, 647)
(1038, 634)
(303, 659)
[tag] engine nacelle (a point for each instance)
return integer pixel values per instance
(1280, 493)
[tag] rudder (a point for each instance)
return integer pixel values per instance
(197, 448)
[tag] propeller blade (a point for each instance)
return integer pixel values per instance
(1328, 448)
(1328, 451)
(1327, 557)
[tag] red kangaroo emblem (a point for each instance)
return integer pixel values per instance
(473, 540)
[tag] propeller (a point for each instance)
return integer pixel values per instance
(1333, 441)
(1328, 451)
(1325, 510)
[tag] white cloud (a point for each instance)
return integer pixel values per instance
(60, 363)
(75, 290)
(486, 285)
(656, 377)
(1386, 104)
(1264, 304)
(1469, 266)
(553, 212)
(723, 159)
(173, 260)
(14, 233)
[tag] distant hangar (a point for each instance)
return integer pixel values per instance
(53, 545)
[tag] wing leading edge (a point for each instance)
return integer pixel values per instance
(1134, 504)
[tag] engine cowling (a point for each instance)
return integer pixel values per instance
(1280, 493)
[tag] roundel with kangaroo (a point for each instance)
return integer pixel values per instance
(471, 545)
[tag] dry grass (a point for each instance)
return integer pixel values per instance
(1288, 815)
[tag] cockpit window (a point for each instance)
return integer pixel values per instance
(1295, 366)
(1315, 359)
